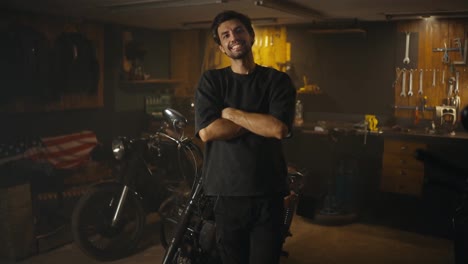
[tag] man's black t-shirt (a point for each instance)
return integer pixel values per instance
(250, 165)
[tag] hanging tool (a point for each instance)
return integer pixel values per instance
(412, 107)
(410, 91)
(417, 116)
(445, 58)
(398, 76)
(456, 82)
(422, 106)
(406, 60)
(451, 81)
(457, 102)
(434, 78)
(420, 91)
(459, 46)
(463, 51)
(403, 84)
(423, 103)
(443, 77)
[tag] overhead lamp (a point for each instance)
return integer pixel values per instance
(435, 14)
(338, 31)
(290, 7)
(207, 24)
(152, 4)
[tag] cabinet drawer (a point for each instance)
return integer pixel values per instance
(401, 161)
(402, 146)
(398, 180)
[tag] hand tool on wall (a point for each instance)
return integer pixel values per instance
(417, 116)
(406, 60)
(423, 103)
(451, 81)
(403, 84)
(463, 51)
(397, 77)
(457, 102)
(445, 58)
(410, 91)
(420, 91)
(459, 46)
(434, 78)
(443, 77)
(421, 107)
(456, 82)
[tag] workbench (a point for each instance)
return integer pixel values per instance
(388, 180)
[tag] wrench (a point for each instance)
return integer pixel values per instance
(420, 91)
(433, 78)
(410, 91)
(397, 78)
(403, 84)
(456, 82)
(406, 60)
(459, 45)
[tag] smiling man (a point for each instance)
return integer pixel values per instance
(242, 112)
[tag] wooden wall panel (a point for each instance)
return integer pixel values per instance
(434, 34)
(185, 61)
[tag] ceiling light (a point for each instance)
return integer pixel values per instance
(289, 7)
(337, 31)
(207, 24)
(435, 14)
(151, 4)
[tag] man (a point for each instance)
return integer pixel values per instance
(242, 112)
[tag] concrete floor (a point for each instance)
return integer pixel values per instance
(311, 243)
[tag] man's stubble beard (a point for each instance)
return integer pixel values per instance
(241, 55)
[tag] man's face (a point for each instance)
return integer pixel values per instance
(236, 41)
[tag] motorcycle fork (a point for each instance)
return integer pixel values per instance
(123, 197)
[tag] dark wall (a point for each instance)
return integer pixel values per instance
(107, 121)
(354, 71)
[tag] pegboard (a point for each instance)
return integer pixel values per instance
(431, 35)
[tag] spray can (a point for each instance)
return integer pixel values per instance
(299, 114)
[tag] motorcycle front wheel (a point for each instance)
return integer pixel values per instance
(170, 212)
(91, 224)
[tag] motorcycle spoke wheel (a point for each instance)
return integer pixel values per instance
(170, 212)
(92, 229)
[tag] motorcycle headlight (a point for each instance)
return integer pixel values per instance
(118, 148)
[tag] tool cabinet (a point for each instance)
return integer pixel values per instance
(401, 172)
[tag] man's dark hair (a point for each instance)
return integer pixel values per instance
(228, 15)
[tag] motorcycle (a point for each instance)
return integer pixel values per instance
(455, 179)
(108, 221)
(188, 226)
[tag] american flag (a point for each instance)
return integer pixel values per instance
(63, 152)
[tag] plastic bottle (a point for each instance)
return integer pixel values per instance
(299, 113)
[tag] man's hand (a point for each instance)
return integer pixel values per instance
(230, 113)
(260, 124)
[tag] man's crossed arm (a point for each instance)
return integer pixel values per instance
(235, 122)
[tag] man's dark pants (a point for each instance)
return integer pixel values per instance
(249, 230)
